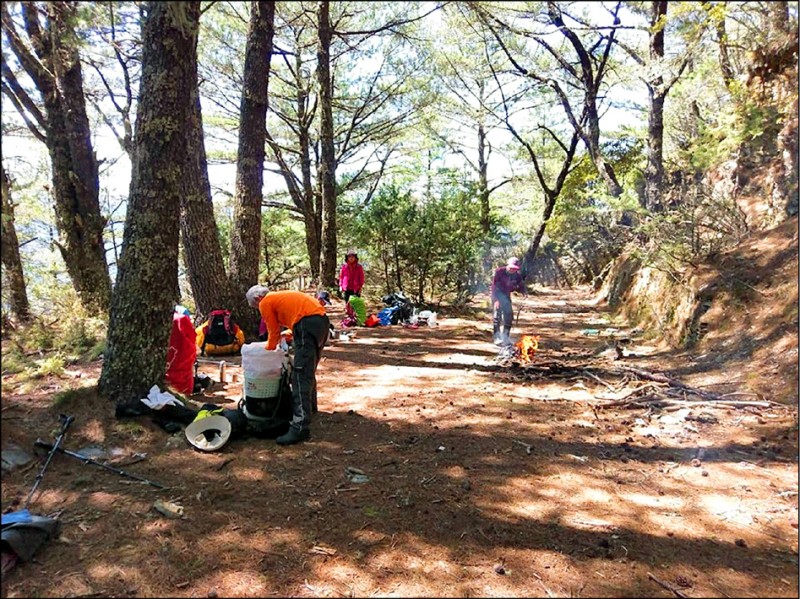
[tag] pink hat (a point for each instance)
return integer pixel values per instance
(513, 263)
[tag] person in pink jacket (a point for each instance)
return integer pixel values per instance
(351, 277)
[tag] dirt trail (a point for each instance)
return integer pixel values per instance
(481, 482)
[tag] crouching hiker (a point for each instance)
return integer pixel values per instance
(506, 279)
(309, 323)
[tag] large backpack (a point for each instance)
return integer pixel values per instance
(269, 417)
(219, 334)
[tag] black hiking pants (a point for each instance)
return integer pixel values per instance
(309, 336)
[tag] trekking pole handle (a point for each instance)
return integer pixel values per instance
(65, 422)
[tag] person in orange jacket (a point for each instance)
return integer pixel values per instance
(305, 316)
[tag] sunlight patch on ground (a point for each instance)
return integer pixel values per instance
(243, 473)
(236, 583)
(382, 382)
(725, 508)
(93, 431)
(103, 500)
(157, 527)
(457, 358)
(105, 573)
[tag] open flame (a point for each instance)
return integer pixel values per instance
(526, 347)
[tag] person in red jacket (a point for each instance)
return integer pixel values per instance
(305, 316)
(351, 276)
(506, 279)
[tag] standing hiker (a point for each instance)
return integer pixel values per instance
(506, 279)
(306, 317)
(351, 276)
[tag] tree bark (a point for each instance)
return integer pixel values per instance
(246, 233)
(9, 244)
(590, 80)
(202, 253)
(725, 65)
(145, 291)
(654, 172)
(483, 179)
(55, 68)
(327, 164)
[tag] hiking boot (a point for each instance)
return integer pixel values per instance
(293, 436)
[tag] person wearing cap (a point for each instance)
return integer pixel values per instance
(351, 276)
(305, 316)
(506, 280)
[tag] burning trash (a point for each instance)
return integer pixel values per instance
(521, 352)
(526, 348)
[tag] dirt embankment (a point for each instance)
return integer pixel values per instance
(736, 314)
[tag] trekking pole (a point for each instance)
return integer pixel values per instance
(85, 460)
(65, 422)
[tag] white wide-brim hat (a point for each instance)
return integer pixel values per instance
(216, 427)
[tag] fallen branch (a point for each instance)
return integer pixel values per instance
(667, 586)
(660, 378)
(599, 380)
(554, 369)
(528, 448)
(723, 402)
(633, 401)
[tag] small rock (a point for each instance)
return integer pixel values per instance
(499, 569)
(696, 463)
(212, 593)
(704, 473)
(740, 543)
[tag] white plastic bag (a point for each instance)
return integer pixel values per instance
(258, 363)
(157, 399)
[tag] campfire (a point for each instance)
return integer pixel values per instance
(526, 348)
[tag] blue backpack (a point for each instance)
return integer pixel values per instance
(390, 315)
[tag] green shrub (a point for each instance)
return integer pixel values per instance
(14, 361)
(52, 365)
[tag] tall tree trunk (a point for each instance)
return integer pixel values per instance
(327, 163)
(55, 68)
(533, 247)
(9, 247)
(246, 232)
(483, 180)
(590, 78)
(144, 294)
(202, 253)
(311, 216)
(592, 141)
(725, 65)
(654, 172)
